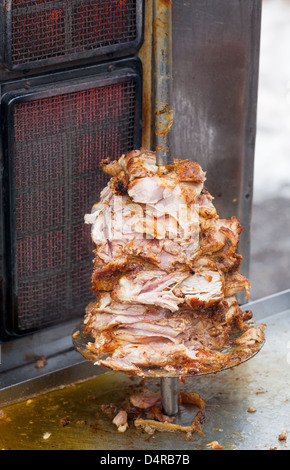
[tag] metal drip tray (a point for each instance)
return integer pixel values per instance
(247, 408)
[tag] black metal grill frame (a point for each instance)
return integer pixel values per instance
(106, 50)
(15, 92)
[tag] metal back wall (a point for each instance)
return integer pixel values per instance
(215, 70)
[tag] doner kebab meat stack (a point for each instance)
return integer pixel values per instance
(165, 271)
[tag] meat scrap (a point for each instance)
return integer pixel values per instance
(41, 362)
(64, 421)
(251, 409)
(165, 272)
(145, 409)
(150, 426)
(120, 421)
(215, 445)
(283, 436)
(145, 399)
(109, 409)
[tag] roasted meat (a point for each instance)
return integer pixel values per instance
(165, 271)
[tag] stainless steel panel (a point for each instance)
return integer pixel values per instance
(215, 74)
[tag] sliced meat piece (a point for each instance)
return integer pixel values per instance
(251, 336)
(99, 218)
(225, 262)
(131, 357)
(111, 167)
(203, 288)
(146, 190)
(145, 399)
(139, 163)
(190, 191)
(232, 310)
(188, 170)
(150, 287)
(106, 275)
(220, 233)
(155, 412)
(165, 254)
(107, 304)
(170, 290)
(165, 192)
(142, 163)
(105, 321)
(144, 333)
(182, 170)
(109, 251)
(235, 282)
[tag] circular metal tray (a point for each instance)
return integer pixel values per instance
(229, 357)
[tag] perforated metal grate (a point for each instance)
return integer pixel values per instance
(44, 29)
(58, 144)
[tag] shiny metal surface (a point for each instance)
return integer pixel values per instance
(169, 395)
(20, 378)
(215, 56)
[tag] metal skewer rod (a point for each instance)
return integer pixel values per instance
(162, 80)
(169, 395)
(162, 46)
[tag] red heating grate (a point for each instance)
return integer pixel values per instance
(40, 30)
(57, 146)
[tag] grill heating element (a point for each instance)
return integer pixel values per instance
(40, 32)
(55, 143)
(59, 142)
(71, 95)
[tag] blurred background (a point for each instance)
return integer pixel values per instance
(270, 230)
